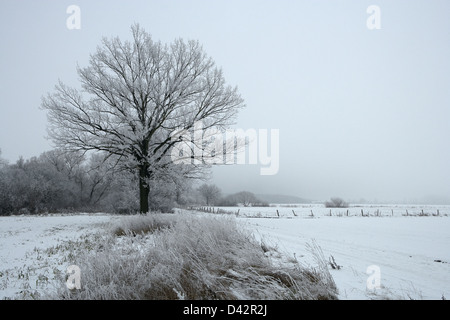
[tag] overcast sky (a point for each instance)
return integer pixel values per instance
(361, 113)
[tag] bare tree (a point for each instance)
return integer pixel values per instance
(209, 192)
(3, 162)
(246, 198)
(336, 203)
(135, 97)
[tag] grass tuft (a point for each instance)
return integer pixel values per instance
(192, 257)
(142, 224)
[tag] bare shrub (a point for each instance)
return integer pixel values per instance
(196, 258)
(336, 203)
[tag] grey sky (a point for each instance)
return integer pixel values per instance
(361, 113)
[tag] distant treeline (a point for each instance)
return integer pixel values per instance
(243, 198)
(57, 182)
(211, 195)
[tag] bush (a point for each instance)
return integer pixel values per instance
(336, 203)
(244, 198)
(195, 258)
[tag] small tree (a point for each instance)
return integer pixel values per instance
(336, 203)
(209, 192)
(246, 198)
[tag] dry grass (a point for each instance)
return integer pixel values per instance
(141, 224)
(191, 257)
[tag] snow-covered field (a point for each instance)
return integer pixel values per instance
(29, 260)
(410, 254)
(314, 210)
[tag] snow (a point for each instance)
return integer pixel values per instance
(406, 250)
(411, 252)
(317, 210)
(24, 265)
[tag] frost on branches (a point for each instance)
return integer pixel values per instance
(134, 96)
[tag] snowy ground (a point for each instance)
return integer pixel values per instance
(411, 252)
(27, 263)
(314, 210)
(407, 246)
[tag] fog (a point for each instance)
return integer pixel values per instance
(361, 113)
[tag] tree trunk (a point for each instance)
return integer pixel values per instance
(144, 188)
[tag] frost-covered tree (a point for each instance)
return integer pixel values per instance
(135, 97)
(91, 178)
(32, 186)
(4, 187)
(246, 198)
(336, 203)
(3, 162)
(209, 192)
